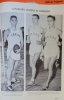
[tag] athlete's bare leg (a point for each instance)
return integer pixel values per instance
(51, 69)
(13, 72)
(51, 62)
(9, 70)
(46, 63)
(33, 60)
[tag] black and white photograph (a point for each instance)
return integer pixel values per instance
(0, 44)
(12, 72)
(43, 52)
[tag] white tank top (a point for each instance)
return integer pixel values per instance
(35, 34)
(13, 38)
(51, 37)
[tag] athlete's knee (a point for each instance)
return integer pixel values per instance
(45, 64)
(10, 66)
(31, 64)
(51, 64)
(16, 64)
(45, 68)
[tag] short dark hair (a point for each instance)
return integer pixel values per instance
(36, 15)
(50, 16)
(13, 16)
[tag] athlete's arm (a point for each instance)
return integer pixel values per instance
(6, 33)
(29, 34)
(21, 37)
(21, 42)
(60, 36)
(43, 36)
(60, 33)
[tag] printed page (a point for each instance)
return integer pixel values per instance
(31, 51)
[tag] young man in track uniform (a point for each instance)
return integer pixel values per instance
(51, 49)
(14, 37)
(35, 36)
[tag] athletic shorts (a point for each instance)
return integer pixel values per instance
(33, 49)
(51, 51)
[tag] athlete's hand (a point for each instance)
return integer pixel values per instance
(44, 43)
(59, 43)
(18, 51)
(39, 42)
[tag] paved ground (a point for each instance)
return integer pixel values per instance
(41, 78)
(19, 74)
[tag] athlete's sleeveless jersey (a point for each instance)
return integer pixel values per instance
(35, 34)
(35, 37)
(13, 38)
(51, 38)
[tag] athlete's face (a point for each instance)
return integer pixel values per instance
(35, 19)
(13, 22)
(50, 22)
